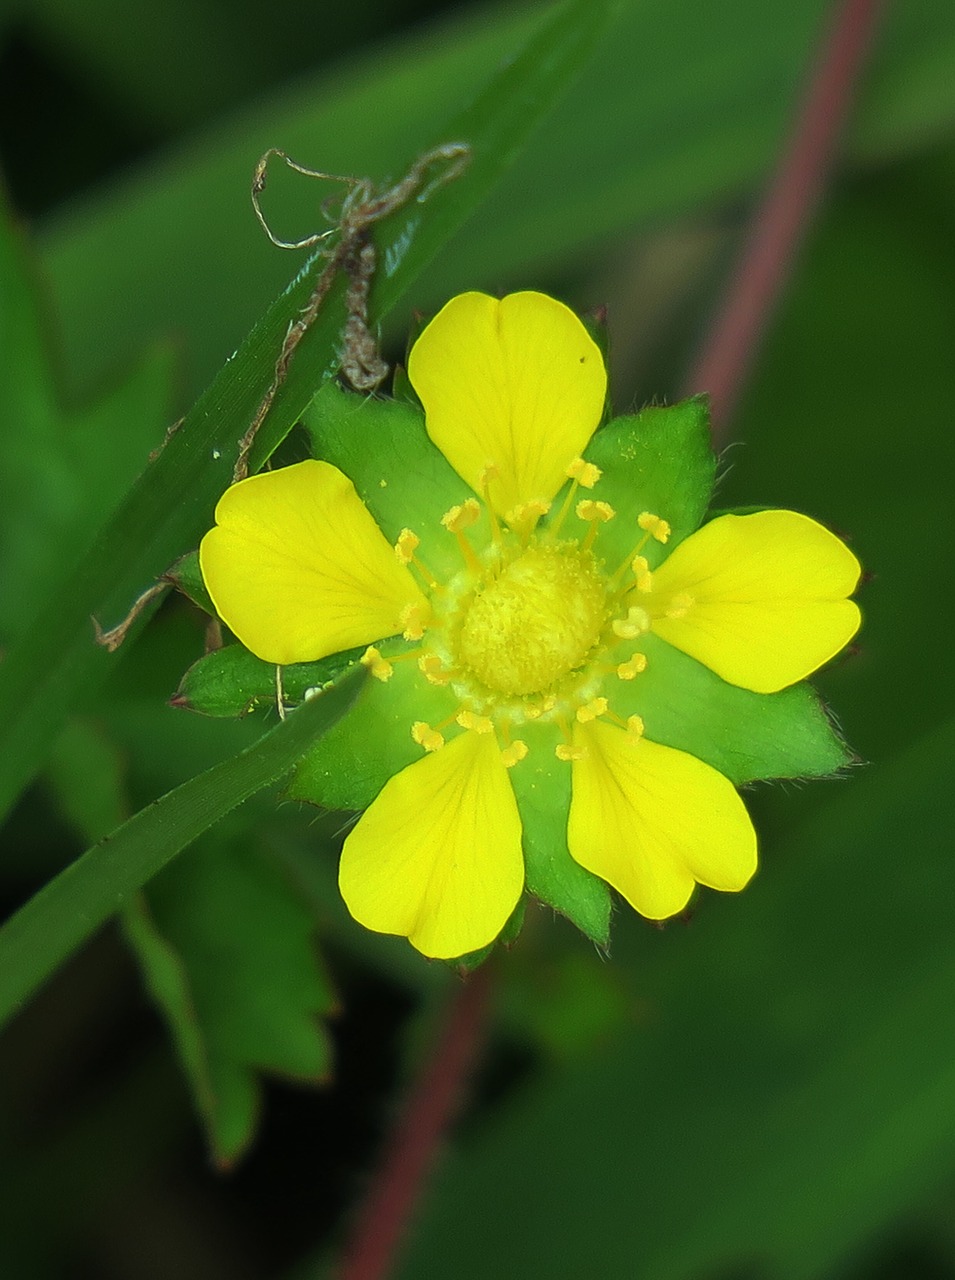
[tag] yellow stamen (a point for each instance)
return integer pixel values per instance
(523, 519)
(591, 710)
(635, 726)
(514, 753)
(463, 516)
(427, 737)
(630, 669)
(657, 528)
(408, 542)
(596, 511)
(414, 620)
(490, 473)
(379, 667)
(585, 473)
(680, 605)
(635, 624)
(567, 751)
(431, 667)
(478, 724)
(641, 571)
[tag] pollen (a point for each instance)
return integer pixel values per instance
(635, 624)
(407, 544)
(630, 669)
(379, 667)
(657, 528)
(462, 517)
(523, 518)
(427, 737)
(635, 726)
(477, 724)
(414, 621)
(585, 473)
(514, 753)
(567, 751)
(591, 710)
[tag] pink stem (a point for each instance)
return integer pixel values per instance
(413, 1144)
(782, 217)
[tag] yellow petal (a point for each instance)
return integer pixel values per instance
(437, 858)
(298, 569)
(768, 595)
(653, 821)
(517, 383)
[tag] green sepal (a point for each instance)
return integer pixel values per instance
(402, 478)
(402, 389)
(542, 786)
(348, 766)
(660, 460)
(745, 735)
(186, 576)
(232, 681)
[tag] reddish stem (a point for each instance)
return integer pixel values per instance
(783, 215)
(428, 1112)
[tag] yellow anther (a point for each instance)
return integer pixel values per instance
(523, 518)
(413, 620)
(591, 710)
(430, 666)
(427, 737)
(567, 751)
(489, 473)
(585, 473)
(630, 669)
(680, 605)
(653, 525)
(514, 753)
(379, 667)
(406, 546)
(590, 510)
(635, 726)
(463, 516)
(470, 720)
(641, 571)
(635, 624)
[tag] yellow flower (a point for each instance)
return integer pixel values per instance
(513, 637)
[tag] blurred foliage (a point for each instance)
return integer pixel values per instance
(768, 1091)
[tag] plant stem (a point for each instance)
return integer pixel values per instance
(782, 217)
(412, 1146)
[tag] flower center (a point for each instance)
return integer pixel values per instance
(535, 622)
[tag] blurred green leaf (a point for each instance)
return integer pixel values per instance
(228, 954)
(749, 1116)
(63, 470)
(173, 502)
(681, 113)
(75, 903)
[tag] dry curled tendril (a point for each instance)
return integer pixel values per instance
(353, 253)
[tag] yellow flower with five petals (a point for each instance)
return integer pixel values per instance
(541, 645)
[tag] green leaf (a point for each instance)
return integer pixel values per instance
(228, 954)
(743, 734)
(403, 479)
(232, 681)
(186, 576)
(660, 460)
(542, 786)
(168, 509)
(75, 903)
